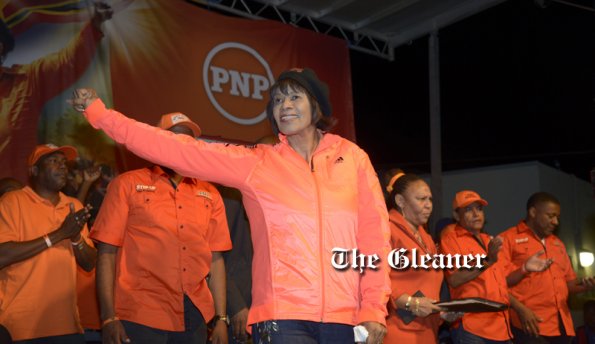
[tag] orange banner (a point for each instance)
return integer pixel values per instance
(217, 69)
(155, 57)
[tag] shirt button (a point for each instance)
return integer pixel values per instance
(184, 248)
(179, 207)
(184, 269)
(181, 226)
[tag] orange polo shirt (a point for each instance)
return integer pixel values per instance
(38, 295)
(546, 292)
(409, 281)
(166, 237)
(490, 284)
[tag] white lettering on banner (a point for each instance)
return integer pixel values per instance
(241, 83)
(399, 259)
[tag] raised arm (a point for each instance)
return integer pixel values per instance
(218, 162)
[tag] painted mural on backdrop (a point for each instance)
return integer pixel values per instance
(153, 57)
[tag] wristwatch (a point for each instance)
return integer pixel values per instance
(224, 318)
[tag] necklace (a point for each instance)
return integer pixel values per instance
(419, 239)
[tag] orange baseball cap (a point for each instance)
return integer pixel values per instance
(466, 197)
(169, 120)
(41, 150)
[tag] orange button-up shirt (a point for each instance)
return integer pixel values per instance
(545, 293)
(420, 330)
(166, 237)
(490, 285)
(38, 294)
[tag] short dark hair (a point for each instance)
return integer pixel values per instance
(541, 197)
(399, 187)
(6, 37)
(324, 123)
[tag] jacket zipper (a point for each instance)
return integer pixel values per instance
(320, 241)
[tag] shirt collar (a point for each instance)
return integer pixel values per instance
(462, 231)
(62, 198)
(157, 172)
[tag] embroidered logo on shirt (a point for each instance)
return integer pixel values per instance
(557, 243)
(518, 241)
(339, 160)
(141, 188)
(204, 194)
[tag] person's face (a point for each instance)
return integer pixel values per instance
(416, 203)
(292, 111)
(471, 217)
(51, 171)
(545, 218)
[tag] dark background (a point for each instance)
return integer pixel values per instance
(517, 84)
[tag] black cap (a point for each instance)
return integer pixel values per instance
(308, 79)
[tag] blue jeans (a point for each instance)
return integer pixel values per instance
(301, 332)
(195, 332)
(461, 336)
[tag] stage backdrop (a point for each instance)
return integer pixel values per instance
(155, 57)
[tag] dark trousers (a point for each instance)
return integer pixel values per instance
(301, 332)
(194, 333)
(520, 337)
(462, 336)
(76, 338)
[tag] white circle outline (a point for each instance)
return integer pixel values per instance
(210, 55)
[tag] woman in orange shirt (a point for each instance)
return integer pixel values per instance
(413, 318)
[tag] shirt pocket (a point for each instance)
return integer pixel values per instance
(520, 253)
(203, 212)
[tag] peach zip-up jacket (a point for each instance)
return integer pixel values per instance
(298, 213)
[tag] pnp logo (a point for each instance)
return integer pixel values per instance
(236, 78)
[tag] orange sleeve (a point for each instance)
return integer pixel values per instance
(110, 225)
(373, 236)
(218, 232)
(221, 163)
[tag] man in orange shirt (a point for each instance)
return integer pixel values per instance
(159, 235)
(42, 239)
(544, 293)
(488, 283)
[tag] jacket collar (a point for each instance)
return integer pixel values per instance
(327, 140)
